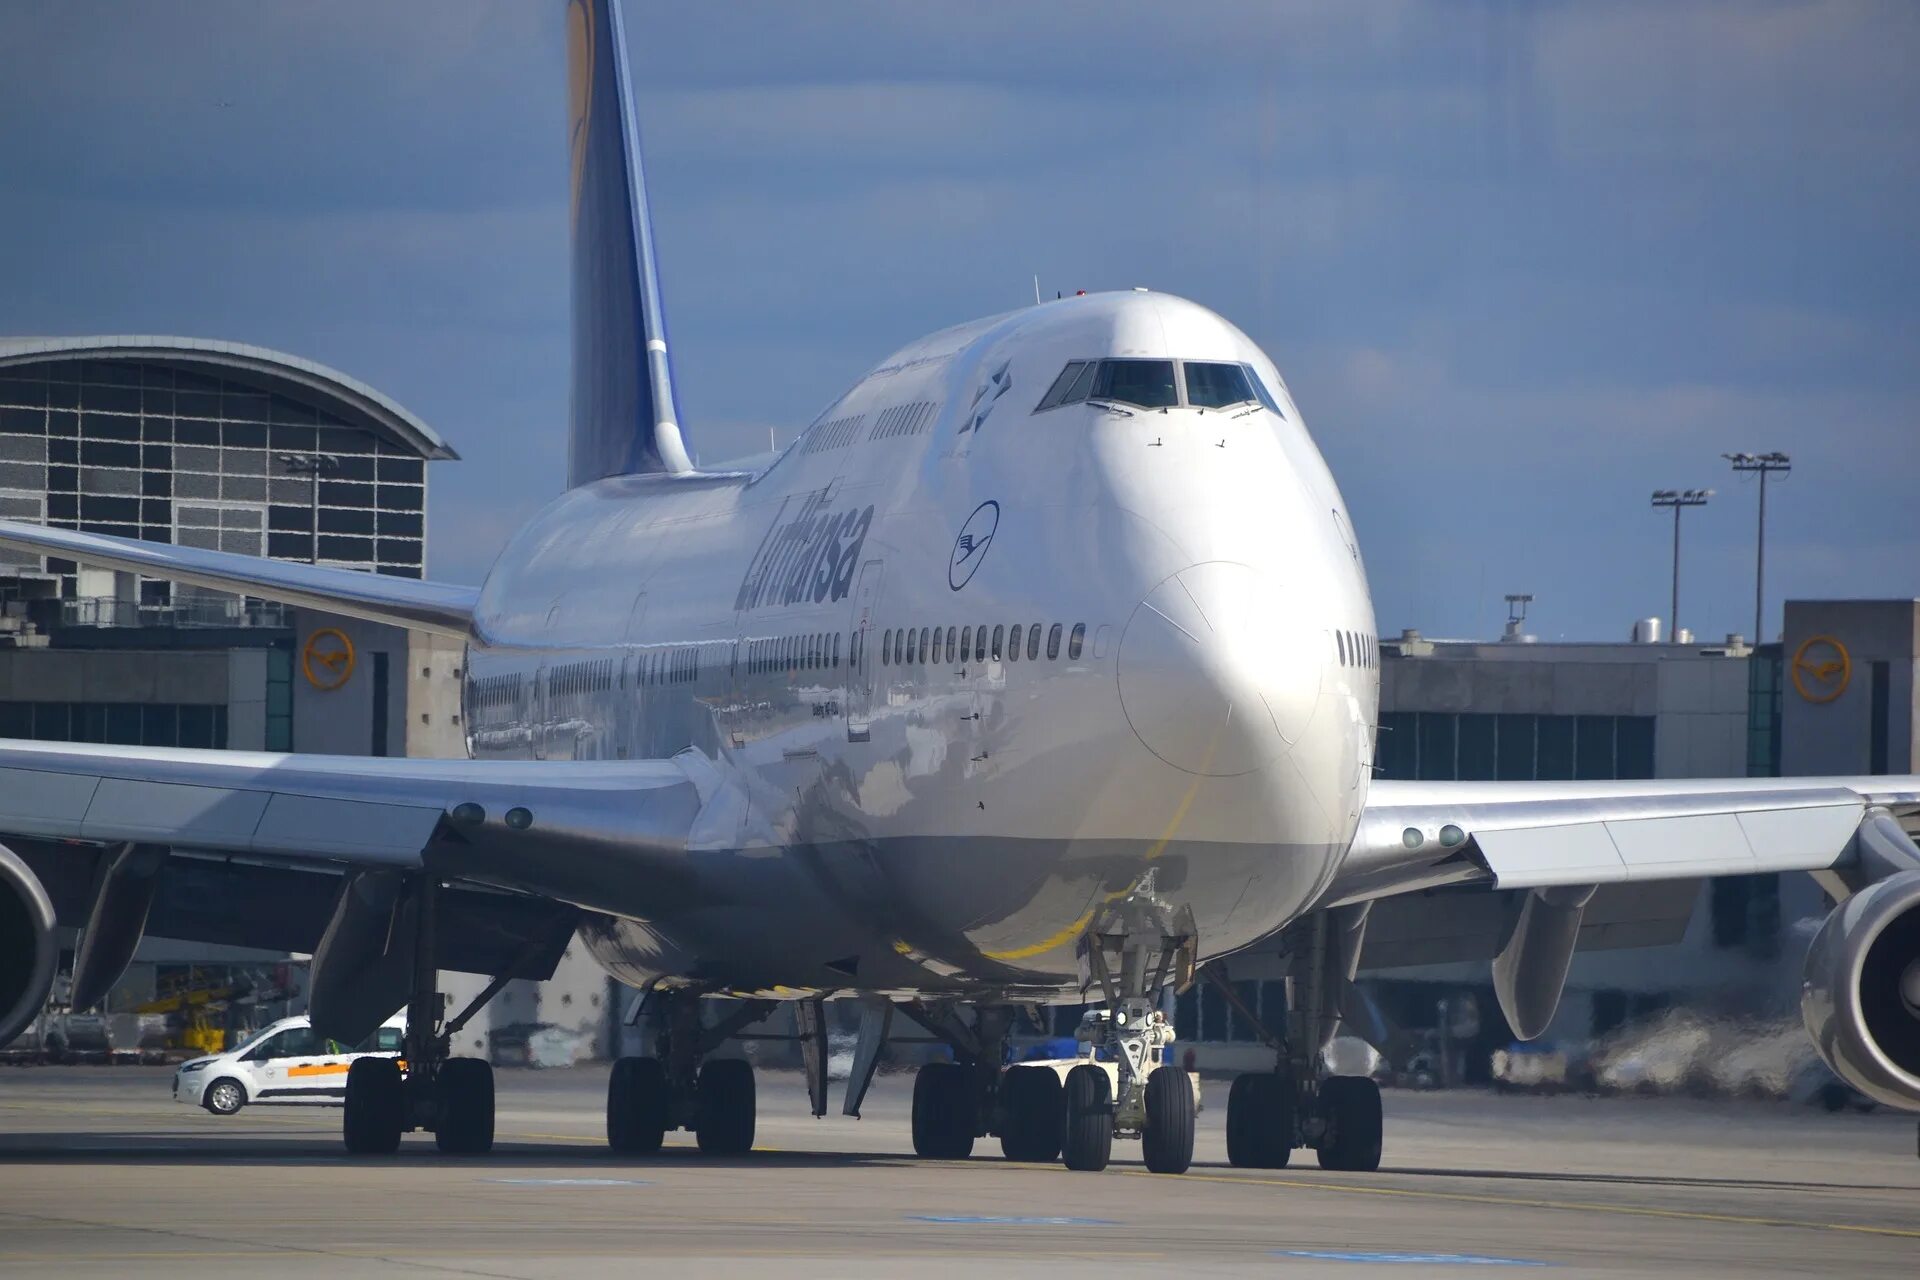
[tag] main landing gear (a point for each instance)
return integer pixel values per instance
(678, 1088)
(1271, 1113)
(452, 1097)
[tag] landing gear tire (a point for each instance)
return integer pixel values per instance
(376, 1107)
(1087, 1142)
(1260, 1125)
(1036, 1112)
(725, 1107)
(1167, 1143)
(1352, 1107)
(943, 1119)
(224, 1097)
(637, 1103)
(464, 1126)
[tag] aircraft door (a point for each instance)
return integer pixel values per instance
(860, 659)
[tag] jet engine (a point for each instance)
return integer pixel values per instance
(27, 952)
(1861, 994)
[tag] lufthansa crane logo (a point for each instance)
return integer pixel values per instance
(1821, 668)
(970, 548)
(327, 659)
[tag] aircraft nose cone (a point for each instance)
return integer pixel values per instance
(1218, 676)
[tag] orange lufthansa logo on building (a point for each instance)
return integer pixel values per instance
(327, 659)
(1821, 668)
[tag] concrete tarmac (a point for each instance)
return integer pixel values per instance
(102, 1174)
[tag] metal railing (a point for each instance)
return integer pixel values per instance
(189, 611)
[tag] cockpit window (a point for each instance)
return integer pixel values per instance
(1057, 393)
(1147, 383)
(1083, 384)
(1150, 384)
(1215, 386)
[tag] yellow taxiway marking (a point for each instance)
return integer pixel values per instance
(1518, 1202)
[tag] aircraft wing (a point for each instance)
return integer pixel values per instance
(309, 852)
(442, 608)
(474, 818)
(1593, 865)
(1539, 835)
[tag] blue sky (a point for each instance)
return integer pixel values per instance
(1521, 264)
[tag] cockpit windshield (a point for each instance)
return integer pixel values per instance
(1147, 383)
(1215, 386)
(1158, 384)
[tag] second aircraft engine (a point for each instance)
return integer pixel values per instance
(1861, 995)
(27, 951)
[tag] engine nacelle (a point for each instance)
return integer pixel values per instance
(1861, 994)
(28, 955)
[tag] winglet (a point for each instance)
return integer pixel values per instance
(625, 420)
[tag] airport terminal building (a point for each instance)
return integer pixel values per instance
(230, 447)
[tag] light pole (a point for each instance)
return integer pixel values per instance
(1766, 464)
(1678, 498)
(313, 465)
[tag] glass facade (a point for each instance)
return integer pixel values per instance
(1763, 712)
(1433, 746)
(142, 449)
(131, 724)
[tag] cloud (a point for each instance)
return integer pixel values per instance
(1520, 263)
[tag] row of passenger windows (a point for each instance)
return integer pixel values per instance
(906, 646)
(1158, 384)
(581, 677)
(1356, 649)
(812, 652)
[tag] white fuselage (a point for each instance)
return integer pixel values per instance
(904, 802)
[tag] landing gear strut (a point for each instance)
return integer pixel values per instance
(1131, 950)
(959, 1101)
(677, 1088)
(1296, 1104)
(451, 1096)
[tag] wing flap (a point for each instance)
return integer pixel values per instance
(1524, 835)
(1808, 837)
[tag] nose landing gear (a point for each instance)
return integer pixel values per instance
(1132, 949)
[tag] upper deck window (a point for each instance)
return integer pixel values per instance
(1215, 386)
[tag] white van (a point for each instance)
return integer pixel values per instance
(284, 1062)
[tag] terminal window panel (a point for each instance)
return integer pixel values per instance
(130, 724)
(1446, 746)
(114, 446)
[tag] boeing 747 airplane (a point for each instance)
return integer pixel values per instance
(1039, 669)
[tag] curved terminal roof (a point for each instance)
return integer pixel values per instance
(348, 399)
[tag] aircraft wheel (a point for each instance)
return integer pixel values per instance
(943, 1111)
(1352, 1106)
(726, 1107)
(1260, 1126)
(1087, 1143)
(1035, 1114)
(637, 1106)
(465, 1123)
(376, 1107)
(1167, 1144)
(224, 1097)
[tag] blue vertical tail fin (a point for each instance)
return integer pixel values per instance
(624, 418)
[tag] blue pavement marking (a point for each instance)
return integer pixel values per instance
(983, 1220)
(572, 1182)
(1416, 1259)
